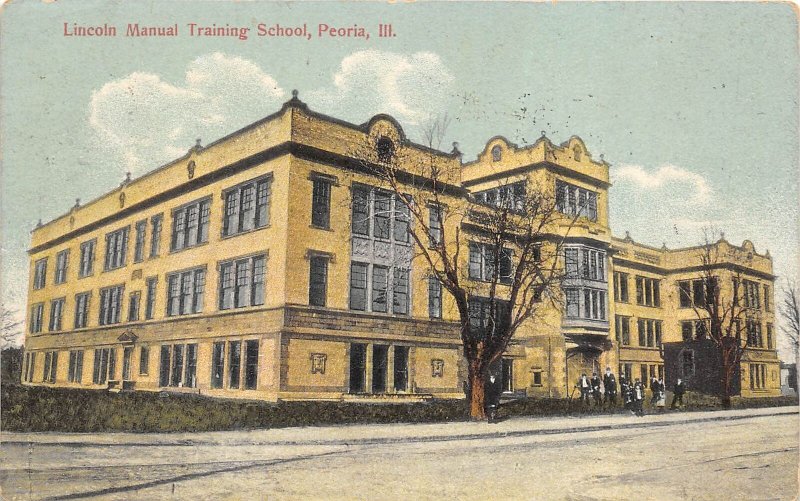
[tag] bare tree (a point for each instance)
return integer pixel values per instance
(11, 332)
(790, 311)
(518, 237)
(727, 308)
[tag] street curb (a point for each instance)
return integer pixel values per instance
(488, 434)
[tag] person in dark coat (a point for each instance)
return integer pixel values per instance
(678, 391)
(638, 398)
(492, 397)
(596, 389)
(655, 388)
(585, 387)
(610, 386)
(625, 391)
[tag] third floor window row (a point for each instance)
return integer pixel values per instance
(379, 214)
(511, 196)
(575, 201)
(247, 206)
(648, 291)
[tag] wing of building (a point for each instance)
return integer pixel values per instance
(271, 264)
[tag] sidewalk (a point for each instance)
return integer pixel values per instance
(388, 433)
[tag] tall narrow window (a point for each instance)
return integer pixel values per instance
(360, 211)
(75, 370)
(358, 286)
(400, 368)
(127, 354)
(434, 297)
(110, 305)
(144, 360)
(185, 291)
(62, 259)
(133, 306)
(217, 364)
(382, 218)
(81, 309)
(434, 225)
(380, 284)
(318, 280)
(37, 316)
(87, 258)
(190, 373)
(400, 292)
(321, 202)
(163, 370)
(56, 313)
(138, 249)
(402, 217)
(156, 224)
(150, 307)
(234, 363)
(40, 273)
(116, 248)
(251, 365)
(176, 373)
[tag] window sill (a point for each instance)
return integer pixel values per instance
(323, 228)
(80, 277)
(245, 232)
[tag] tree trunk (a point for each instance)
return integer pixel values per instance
(477, 393)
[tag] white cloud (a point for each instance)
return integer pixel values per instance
(145, 121)
(667, 178)
(412, 88)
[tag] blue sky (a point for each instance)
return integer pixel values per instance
(694, 105)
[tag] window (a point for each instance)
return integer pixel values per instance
(536, 379)
(150, 306)
(116, 248)
(87, 258)
(56, 313)
(40, 273)
(572, 300)
(82, 309)
(62, 259)
(402, 217)
(434, 225)
(380, 286)
(247, 206)
(111, 304)
(37, 317)
(138, 250)
(401, 368)
(574, 201)
(754, 337)
(623, 329)
(50, 367)
(251, 365)
(190, 224)
(766, 298)
(358, 286)
(217, 364)
(571, 262)
(497, 153)
(620, 287)
(685, 293)
(242, 283)
(185, 292)
(358, 367)
(648, 291)
(751, 294)
(144, 360)
(510, 196)
(75, 371)
(133, 306)
(770, 338)
(480, 312)
(481, 262)
(318, 280)
(380, 214)
(649, 333)
(360, 220)
(234, 363)
(104, 365)
(321, 202)
(434, 297)
(127, 353)
(156, 224)
(585, 303)
(687, 363)
(758, 376)
(687, 330)
(30, 366)
(385, 149)
(400, 292)
(178, 366)
(701, 329)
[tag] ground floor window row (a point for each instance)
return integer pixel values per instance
(643, 372)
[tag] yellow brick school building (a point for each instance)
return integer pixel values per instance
(271, 265)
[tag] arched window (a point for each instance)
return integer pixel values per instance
(497, 153)
(385, 149)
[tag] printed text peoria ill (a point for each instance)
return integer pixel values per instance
(300, 31)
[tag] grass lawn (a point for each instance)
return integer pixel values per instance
(74, 410)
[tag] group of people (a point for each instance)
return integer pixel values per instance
(633, 394)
